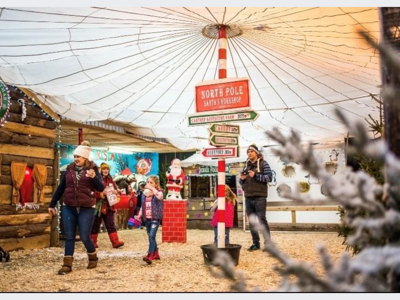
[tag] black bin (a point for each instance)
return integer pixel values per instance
(210, 250)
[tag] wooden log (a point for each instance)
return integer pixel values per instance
(17, 118)
(7, 210)
(24, 230)
(6, 179)
(28, 151)
(42, 105)
(29, 129)
(7, 137)
(8, 158)
(6, 170)
(11, 220)
(54, 234)
(34, 242)
(32, 111)
(6, 193)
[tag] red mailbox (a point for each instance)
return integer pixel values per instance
(126, 202)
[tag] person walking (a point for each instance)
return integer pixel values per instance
(254, 180)
(104, 211)
(230, 202)
(78, 185)
(152, 210)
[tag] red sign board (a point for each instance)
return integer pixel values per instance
(221, 152)
(222, 94)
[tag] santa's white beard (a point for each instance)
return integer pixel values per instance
(175, 172)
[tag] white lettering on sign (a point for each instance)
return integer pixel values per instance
(223, 140)
(212, 93)
(220, 152)
(222, 128)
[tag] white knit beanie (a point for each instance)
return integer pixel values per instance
(83, 151)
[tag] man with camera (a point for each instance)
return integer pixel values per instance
(254, 180)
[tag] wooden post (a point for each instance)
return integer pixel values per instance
(54, 236)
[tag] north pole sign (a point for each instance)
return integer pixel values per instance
(221, 152)
(222, 94)
(4, 101)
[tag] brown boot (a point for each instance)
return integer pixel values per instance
(116, 243)
(94, 239)
(92, 260)
(67, 265)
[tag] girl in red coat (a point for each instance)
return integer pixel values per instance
(230, 202)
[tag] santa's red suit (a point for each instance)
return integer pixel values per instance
(175, 179)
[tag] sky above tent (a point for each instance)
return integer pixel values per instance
(138, 67)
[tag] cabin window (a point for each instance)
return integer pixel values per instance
(202, 186)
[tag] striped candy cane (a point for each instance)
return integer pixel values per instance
(221, 161)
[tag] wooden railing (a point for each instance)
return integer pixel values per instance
(294, 226)
(293, 209)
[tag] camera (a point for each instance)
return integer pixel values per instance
(245, 172)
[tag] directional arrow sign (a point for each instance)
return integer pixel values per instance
(221, 152)
(226, 129)
(238, 116)
(223, 140)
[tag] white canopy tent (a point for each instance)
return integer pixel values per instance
(137, 67)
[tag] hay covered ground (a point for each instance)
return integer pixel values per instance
(181, 268)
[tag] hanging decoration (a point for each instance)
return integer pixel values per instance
(4, 102)
(288, 171)
(324, 190)
(304, 186)
(22, 103)
(283, 188)
(331, 167)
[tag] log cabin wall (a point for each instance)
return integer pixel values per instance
(31, 141)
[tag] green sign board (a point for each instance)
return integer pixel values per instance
(4, 101)
(212, 170)
(223, 140)
(225, 129)
(238, 116)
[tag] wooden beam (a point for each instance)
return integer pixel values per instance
(20, 231)
(29, 151)
(293, 216)
(29, 129)
(304, 208)
(11, 220)
(8, 210)
(8, 158)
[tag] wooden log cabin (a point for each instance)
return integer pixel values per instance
(28, 173)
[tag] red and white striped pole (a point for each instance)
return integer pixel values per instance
(221, 161)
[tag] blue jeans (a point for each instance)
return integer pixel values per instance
(216, 235)
(151, 228)
(81, 217)
(257, 206)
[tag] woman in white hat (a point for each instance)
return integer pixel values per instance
(78, 185)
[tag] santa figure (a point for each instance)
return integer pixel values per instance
(175, 178)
